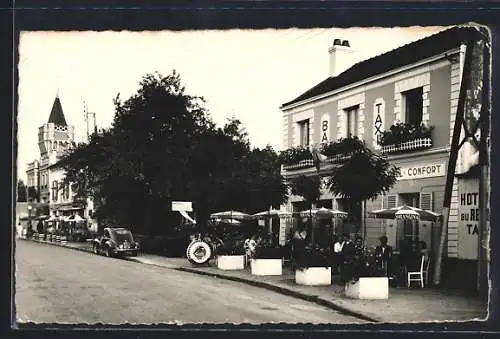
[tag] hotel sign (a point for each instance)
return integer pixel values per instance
(421, 171)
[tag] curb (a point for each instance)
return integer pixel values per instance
(286, 291)
(58, 244)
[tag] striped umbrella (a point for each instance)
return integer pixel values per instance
(405, 212)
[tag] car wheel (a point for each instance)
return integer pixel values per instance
(95, 249)
(107, 251)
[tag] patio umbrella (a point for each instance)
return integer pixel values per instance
(227, 221)
(405, 212)
(324, 212)
(273, 214)
(231, 215)
(77, 218)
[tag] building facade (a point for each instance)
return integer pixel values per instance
(45, 176)
(416, 84)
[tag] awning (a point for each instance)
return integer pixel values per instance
(185, 215)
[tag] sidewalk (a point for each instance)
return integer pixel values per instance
(404, 305)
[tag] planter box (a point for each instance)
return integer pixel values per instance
(230, 262)
(266, 266)
(314, 276)
(368, 288)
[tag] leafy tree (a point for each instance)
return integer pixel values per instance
(364, 175)
(163, 146)
(308, 187)
(22, 193)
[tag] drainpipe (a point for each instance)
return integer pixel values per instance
(459, 118)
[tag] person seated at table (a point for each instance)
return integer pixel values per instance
(383, 254)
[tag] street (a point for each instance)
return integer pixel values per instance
(59, 285)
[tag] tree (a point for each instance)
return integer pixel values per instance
(364, 175)
(22, 192)
(308, 187)
(163, 146)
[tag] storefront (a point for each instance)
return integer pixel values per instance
(422, 185)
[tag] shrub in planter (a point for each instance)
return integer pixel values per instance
(269, 253)
(294, 155)
(230, 255)
(403, 132)
(314, 257)
(314, 267)
(364, 278)
(267, 261)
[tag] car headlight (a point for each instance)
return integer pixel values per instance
(121, 246)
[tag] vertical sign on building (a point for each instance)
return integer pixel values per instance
(325, 128)
(468, 218)
(378, 121)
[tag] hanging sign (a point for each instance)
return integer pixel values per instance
(325, 128)
(182, 206)
(468, 218)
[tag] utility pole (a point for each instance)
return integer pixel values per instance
(452, 163)
(484, 118)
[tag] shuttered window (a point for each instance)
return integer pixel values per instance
(392, 201)
(426, 201)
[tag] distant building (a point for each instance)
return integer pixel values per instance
(45, 177)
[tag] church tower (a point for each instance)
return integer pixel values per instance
(55, 136)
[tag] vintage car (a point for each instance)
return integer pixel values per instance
(115, 241)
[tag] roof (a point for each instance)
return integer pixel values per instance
(56, 114)
(407, 54)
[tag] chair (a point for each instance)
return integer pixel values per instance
(419, 275)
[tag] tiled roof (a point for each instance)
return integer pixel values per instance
(396, 58)
(56, 114)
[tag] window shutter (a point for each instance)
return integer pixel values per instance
(392, 200)
(426, 201)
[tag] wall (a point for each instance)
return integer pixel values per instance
(320, 111)
(439, 115)
(384, 94)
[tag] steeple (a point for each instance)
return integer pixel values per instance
(56, 114)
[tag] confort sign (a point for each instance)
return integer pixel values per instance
(419, 171)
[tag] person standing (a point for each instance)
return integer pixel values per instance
(383, 254)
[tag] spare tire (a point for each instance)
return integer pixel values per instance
(199, 252)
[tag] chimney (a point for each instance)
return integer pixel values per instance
(341, 57)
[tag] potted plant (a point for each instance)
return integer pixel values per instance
(231, 255)
(267, 260)
(313, 266)
(365, 279)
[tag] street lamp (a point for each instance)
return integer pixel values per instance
(29, 216)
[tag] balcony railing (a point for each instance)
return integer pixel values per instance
(308, 163)
(408, 146)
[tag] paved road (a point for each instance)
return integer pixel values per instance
(55, 284)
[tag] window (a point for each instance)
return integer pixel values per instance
(55, 190)
(66, 192)
(352, 121)
(413, 104)
(304, 132)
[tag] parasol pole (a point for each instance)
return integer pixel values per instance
(459, 118)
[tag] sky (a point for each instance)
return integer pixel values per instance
(248, 74)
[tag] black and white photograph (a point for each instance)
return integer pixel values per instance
(253, 176)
